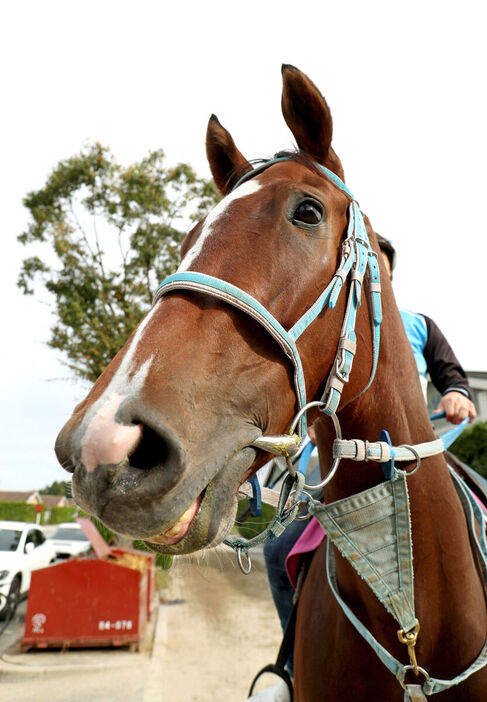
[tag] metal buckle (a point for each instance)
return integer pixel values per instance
(338, 372)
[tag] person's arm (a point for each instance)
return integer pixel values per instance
(448, 376)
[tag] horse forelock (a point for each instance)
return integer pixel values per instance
(295, 155)
(301, 157)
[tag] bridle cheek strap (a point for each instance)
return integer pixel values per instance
(363, 261)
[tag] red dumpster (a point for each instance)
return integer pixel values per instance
(92, 601)
(152, 591)
(122, 555)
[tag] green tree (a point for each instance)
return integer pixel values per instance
(57, 488)
(471, 447)
(102, 236)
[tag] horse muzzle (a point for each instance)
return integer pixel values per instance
(143, 480)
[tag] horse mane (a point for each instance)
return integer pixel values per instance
(300, 157)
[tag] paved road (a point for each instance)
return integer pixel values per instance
(216, 628)
(14, 629)
(120, 685)
(73, 676)
(215, 642)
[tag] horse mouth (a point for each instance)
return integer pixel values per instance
(211, 515)
(177, 531)
(176, 507)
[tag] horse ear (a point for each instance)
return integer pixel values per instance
(308, 117)
(227, 164)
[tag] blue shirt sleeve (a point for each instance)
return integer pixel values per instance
(417, 333)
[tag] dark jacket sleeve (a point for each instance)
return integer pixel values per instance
(444, 368)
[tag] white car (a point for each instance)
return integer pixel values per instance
(69, 540)
(23, 548)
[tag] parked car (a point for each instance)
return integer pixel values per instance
(69, 540)
(23, 548)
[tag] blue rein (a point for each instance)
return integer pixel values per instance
(452, 434)
(358, 259)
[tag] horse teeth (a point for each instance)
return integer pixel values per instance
(179, 529)
(174, 530)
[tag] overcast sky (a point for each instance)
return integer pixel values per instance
(405, 82)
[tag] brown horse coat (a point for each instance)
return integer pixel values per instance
(162, 442)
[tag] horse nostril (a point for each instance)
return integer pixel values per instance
(151, 451)
(63, 451)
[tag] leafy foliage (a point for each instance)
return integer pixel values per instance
(58, 515)
(253, 525)
(471, 447)
(57, 488)
(18, 512)
(115, 233)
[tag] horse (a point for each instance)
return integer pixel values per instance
(170, 431)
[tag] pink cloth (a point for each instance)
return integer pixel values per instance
(478, 501)
(309, 540)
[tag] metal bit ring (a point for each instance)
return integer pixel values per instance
(244, 568)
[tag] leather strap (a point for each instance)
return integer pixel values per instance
(287, 646)
(414, 693)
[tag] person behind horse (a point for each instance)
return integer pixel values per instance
(434, 356)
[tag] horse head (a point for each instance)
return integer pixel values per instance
(161, 444)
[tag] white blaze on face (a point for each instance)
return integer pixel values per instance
(101, 438)
(243, 190)
(105, 441)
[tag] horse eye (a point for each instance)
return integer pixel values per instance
(308, 212)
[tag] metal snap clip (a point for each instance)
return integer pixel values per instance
(410, 638)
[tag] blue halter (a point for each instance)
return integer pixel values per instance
(357, 260)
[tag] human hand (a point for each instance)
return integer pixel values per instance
(457, 406)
